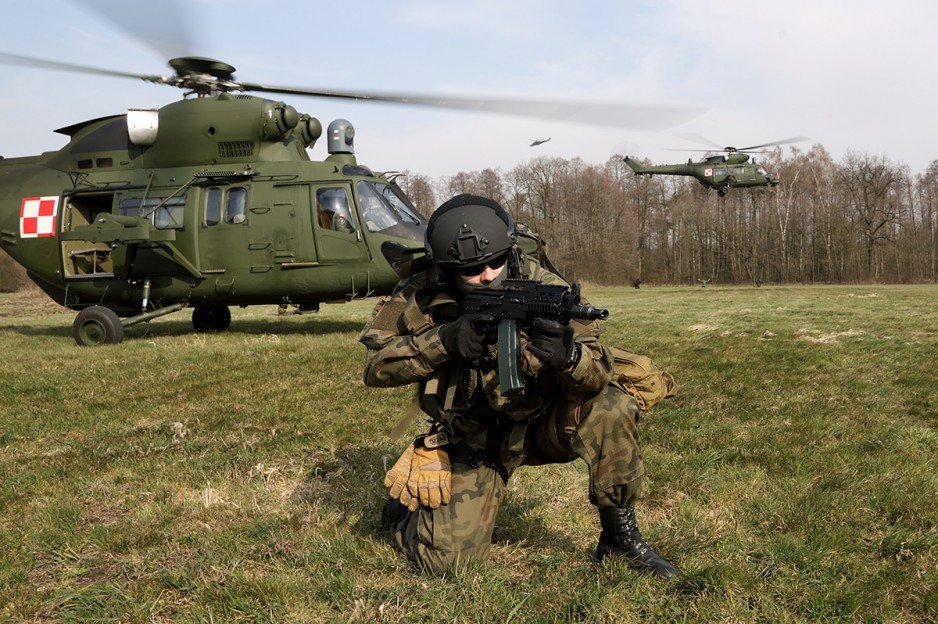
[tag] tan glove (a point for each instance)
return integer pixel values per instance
(396, 478)
(429, 480)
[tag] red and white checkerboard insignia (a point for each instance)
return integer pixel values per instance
(38, 216)
(708, 172)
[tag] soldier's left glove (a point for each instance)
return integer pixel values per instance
(430, 478)
(553, 343)
(465, 337)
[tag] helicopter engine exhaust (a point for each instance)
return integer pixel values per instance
(142, 126)
(308, 130)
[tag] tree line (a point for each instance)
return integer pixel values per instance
(863, 219)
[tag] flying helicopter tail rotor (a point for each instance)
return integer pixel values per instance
(629, 148)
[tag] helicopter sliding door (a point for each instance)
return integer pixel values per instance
(83, 259)
(335, 223)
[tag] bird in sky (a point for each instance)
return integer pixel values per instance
(539, 141)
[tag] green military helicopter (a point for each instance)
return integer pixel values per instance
(734, 170)
(213, 201)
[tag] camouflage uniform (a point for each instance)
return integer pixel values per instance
(559, 416)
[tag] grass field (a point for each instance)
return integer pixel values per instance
(237, 476)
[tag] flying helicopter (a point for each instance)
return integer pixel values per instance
(734, 170)
(213, 201)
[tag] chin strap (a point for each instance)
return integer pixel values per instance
(516, 263)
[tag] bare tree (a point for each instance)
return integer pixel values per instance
(871, 185)
(826, 222)
(927, 196)
(419, 189)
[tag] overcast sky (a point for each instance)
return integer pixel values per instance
(850, 75)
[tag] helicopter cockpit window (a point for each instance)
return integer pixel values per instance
(212, 206)
(762, 171)
(333, 209)
(396, 198)
(383, 208)
(236, 206)
(167, 216)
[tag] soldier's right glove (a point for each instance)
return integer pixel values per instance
(396, 478)
(553, 343)
(465, 337)
(430, 478)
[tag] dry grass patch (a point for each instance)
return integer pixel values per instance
(237, 476)
(815, 336)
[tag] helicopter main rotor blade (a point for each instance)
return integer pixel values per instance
(28, 61)
(710, 151)
(693, 137)
(594, 113)
(706, 151)
(612, 114)
(782, 142)
(160, 26)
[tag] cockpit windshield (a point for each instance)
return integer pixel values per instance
(386, 210)
(762, 171)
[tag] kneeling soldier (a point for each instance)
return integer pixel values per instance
(447, 486)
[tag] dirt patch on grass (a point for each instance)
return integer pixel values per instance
(30, 302)
(816, 337)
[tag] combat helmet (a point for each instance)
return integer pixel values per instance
(468, 230)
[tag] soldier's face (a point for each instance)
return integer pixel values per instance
(487, 275)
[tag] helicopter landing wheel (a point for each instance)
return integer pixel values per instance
(97, 325)
(721, 193)
(211, 318)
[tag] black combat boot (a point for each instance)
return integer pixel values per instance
(392, 514)
(620, 537)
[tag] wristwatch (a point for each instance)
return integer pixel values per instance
(574, 357)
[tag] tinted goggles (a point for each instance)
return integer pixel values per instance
(493, 263)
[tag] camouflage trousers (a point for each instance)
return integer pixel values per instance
(602, 430)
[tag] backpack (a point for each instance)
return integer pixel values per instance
(534, 247)
(640, 377)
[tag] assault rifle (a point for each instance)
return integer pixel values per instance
(516, 305)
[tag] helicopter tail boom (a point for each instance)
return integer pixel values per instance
(640, 169)
(635, 166)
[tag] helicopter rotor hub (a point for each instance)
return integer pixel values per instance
(202, 75)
